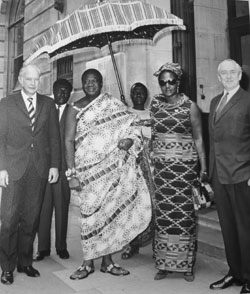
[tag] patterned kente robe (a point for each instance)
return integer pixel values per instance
(115, 203)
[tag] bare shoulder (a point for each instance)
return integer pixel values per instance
(81, 103)
(194, 106)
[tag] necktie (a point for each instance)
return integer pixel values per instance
(58, 111)
(223, 102)
(31, 111)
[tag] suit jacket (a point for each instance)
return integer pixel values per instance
(17, 141)
(230, 139)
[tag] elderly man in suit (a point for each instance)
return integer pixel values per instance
(57, 196)
(229, 163)
(30, 156)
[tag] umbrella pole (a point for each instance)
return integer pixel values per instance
(116, 72)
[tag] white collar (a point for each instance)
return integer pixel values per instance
(231, 92)
(25, 96)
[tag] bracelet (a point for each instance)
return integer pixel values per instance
(72, 177)
(70, 172)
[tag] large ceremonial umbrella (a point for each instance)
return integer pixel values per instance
(101, 24)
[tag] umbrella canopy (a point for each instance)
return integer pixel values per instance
(96, 25)
(101, 24)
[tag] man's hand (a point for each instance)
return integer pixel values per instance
(4, 178)
(248, 182)
(53, 175)
(74, 184)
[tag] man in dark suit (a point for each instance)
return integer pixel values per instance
(57, 196)
(29, 157)
(229, 163)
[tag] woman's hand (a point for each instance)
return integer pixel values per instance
(125, 144)
(203, 176)
(74, 184)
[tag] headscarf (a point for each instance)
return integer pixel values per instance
(170, 66)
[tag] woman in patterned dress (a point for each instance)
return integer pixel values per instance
(101, 151)
(178, 150)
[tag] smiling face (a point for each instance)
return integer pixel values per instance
(91, 85)
(168, 83)
(229, 74)
(29, 78)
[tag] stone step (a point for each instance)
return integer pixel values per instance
(209, 235)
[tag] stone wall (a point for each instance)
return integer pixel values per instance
(3, 8)
(212, 46)
(2, 53)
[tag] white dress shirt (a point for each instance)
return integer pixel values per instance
(26, 101)
(61, 110)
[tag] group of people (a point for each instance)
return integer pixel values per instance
(132, 168)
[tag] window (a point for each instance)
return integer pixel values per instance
(65, 68)
(242, 8)
(16, 33)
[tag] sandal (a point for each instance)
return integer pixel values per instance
(161, 274)
(82, 272)
(115, 270)
(129, 252)
(189, 277)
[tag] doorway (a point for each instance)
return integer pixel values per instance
(239, 37)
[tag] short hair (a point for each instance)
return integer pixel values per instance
(25, 67)
(138, 84)
(64, 83)
(229, 60)
(94, 72)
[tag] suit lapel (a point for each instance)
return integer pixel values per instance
(230, 104)
(213, 109)
(62, 120)
(39, 104)
(20, 104)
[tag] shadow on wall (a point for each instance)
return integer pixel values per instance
(245, 81)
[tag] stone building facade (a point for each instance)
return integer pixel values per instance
(23, 21)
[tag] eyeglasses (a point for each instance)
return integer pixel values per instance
(163, 83)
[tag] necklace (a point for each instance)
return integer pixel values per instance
(168, 105)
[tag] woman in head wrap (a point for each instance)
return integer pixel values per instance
(177, 150)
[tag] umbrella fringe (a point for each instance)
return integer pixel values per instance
(104, 18)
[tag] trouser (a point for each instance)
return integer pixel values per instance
(57, 197)
(233, 205)
(20, 208)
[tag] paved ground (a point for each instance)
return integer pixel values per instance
(55, 274)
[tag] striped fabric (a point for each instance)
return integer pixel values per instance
(89, 26)
(31, 111)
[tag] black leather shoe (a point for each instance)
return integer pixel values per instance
(41, 254)
(245, 288)
(64, 254)
(7, 278)
(225, 282)
(28, 270)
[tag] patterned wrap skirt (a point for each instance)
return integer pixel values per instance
(175, 237)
